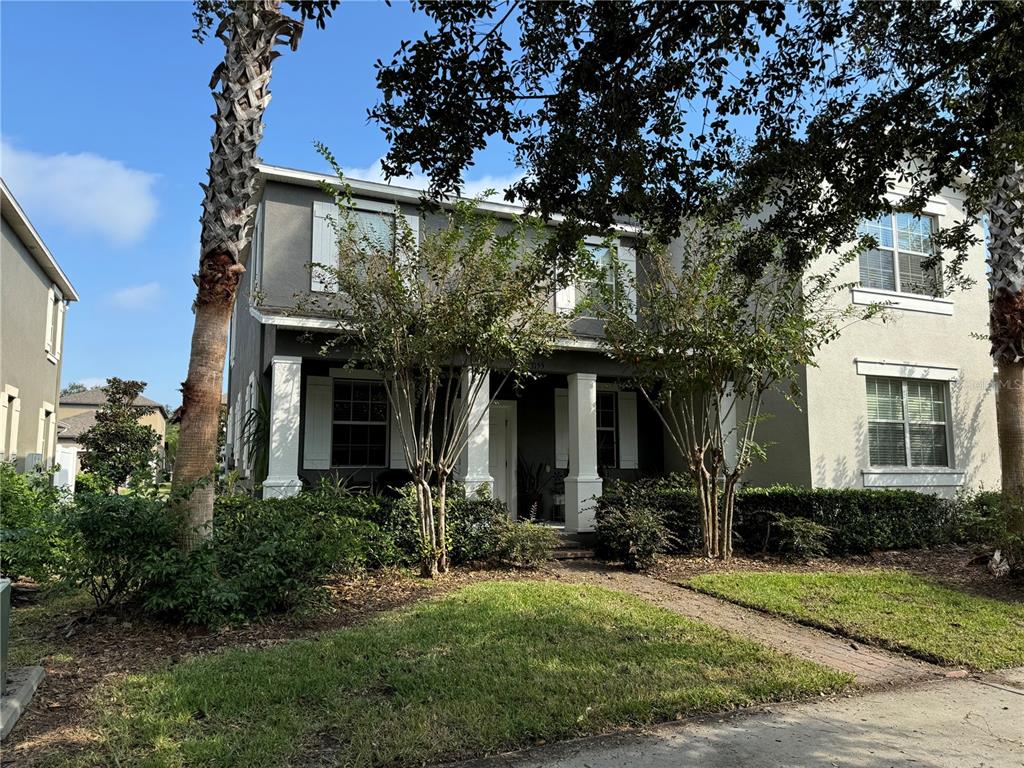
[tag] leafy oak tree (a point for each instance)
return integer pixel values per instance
(436, 316)
(639, 110)
(251, 31)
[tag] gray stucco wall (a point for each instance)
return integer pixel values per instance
(23, 360)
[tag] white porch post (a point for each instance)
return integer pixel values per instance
(583, 484)
(475, 464)
(285, 388)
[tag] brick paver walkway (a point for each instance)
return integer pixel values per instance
(870, 666)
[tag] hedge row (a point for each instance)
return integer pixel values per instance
(857, 520)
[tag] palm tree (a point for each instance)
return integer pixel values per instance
(1006, 258)
(250, 31)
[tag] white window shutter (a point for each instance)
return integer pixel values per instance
(41, 433)
(629, 457)
(58, 340)
(627, 283)
(237, 453)
(561, 429)
(229, 436)
(316, 447)
(14, 414)
(4, 415)
(565, 298)
(51, 433)
(325, 244)
(48, 342)
(396, 449)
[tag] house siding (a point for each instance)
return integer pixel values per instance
(24, 364)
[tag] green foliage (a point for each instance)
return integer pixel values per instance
(857, 520)
(635, 535)
(265, 555)
(30, 539)
(475, 527)
(117, 446)
(525, 543)
(469, 291)
(114, 541)
(797, 537)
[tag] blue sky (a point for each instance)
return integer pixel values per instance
(104, 118)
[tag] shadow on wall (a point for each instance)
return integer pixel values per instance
(970, 453)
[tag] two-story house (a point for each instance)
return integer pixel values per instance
(547, 448)
(34, 296)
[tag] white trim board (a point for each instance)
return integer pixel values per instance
(910, 302)
(900, 477)
(905, 370)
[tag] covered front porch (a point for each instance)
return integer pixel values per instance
(545, 448)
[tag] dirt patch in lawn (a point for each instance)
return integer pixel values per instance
(955, 567)
(80, 651)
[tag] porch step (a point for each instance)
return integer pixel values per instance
(572, 546)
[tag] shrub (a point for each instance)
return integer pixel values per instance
(114, 542)
(265, 555)
(858, 520)
(797, 537)
(526, 544)
(474, 527)
(671, 498)
(634, 535)
(30, 539)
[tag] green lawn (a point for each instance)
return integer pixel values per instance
(891, 608)
(493, 666)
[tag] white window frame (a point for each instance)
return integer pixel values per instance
(372, 378)
(616, 437)
(54, 323)
(908, 453)
(10, 416)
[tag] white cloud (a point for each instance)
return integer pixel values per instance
(470, 188)
(92, 381)
(84, 192)
(136, 296)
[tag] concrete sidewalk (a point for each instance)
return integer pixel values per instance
(954, 723)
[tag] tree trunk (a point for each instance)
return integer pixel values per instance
(1006, 258)
(249, 31)
(428, 562)
(442, 532)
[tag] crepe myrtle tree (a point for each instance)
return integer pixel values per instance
(434, 317)
(707, 342)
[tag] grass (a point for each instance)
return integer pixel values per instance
(35, 628)
(491, 667)
(894, 609)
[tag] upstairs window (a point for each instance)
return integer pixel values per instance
(897, 264)
(906, 413)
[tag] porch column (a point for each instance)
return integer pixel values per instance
(583, 484)
(285, 388)
(475, 464)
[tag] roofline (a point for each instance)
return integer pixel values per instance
(21, 225)
(398, 193)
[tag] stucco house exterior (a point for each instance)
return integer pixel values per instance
(34, 297)
(547, 449)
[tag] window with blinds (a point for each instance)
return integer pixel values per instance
(907, 422)
(904, 244)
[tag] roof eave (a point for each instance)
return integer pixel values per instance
(15, 216)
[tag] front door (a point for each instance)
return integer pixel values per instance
(502, 448)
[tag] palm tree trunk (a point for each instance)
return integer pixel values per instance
(1006, 257)
(250, 31)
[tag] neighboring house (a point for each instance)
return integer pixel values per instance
(558, 439)
(34, 296)
(77, 412)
